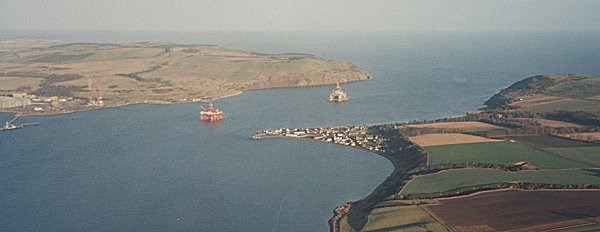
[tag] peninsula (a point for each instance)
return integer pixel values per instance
(477, 172)
(42, 76)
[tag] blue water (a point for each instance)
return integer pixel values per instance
(156, 168)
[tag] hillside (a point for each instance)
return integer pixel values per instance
(568, 97)
(156, 72)
(539, 133)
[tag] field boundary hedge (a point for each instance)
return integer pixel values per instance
(485, 187)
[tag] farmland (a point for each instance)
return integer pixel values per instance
(498, 153)
(589, 136)
(591, 106)
(545, 141)
(454, 179)
(551, 94)
(449, 138)
(536, 100)
(519, 210)
(589, 155)
(464, 126)
(402, 218)
(550, 123)
(585, 88)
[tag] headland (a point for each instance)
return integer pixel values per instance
(42, 76)
(539, 133)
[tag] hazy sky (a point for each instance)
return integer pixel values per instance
(300, 15)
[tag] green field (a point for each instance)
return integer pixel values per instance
(453, 179)
(589, 155)
(583, 88)
(498, 153)
(590, 106)
(402, 218)
(345, 226)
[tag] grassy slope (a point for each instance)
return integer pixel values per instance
(453, 179)
(584, 88)
(590, 155)
(161, 71)
(590, 106)
(498, 153)
(579, 89)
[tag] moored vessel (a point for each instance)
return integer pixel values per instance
(338, 95)
(211, 114)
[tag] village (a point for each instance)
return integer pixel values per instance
(353, 136)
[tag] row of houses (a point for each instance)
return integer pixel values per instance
(354, 136)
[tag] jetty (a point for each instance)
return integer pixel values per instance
(10, 125)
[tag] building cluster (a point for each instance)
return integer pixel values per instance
(37, 103)
(354, 136)
(15, 100)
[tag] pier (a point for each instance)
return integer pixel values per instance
(11, 126)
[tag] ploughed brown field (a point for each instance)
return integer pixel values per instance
(517, 210)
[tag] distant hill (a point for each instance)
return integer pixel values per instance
(156, 71)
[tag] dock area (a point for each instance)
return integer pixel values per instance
(10, 125)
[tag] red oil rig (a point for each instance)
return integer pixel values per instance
(211, 114)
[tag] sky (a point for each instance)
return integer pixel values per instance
(301, 15)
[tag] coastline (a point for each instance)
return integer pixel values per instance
(162, 102)
(409, 159)
(389, 143)
(341, 200)
(92, 108)
(72, 77)
(404, 156)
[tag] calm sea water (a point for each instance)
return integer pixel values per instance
(156, 168)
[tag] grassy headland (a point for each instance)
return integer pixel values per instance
(154, 72)
(540, 132)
